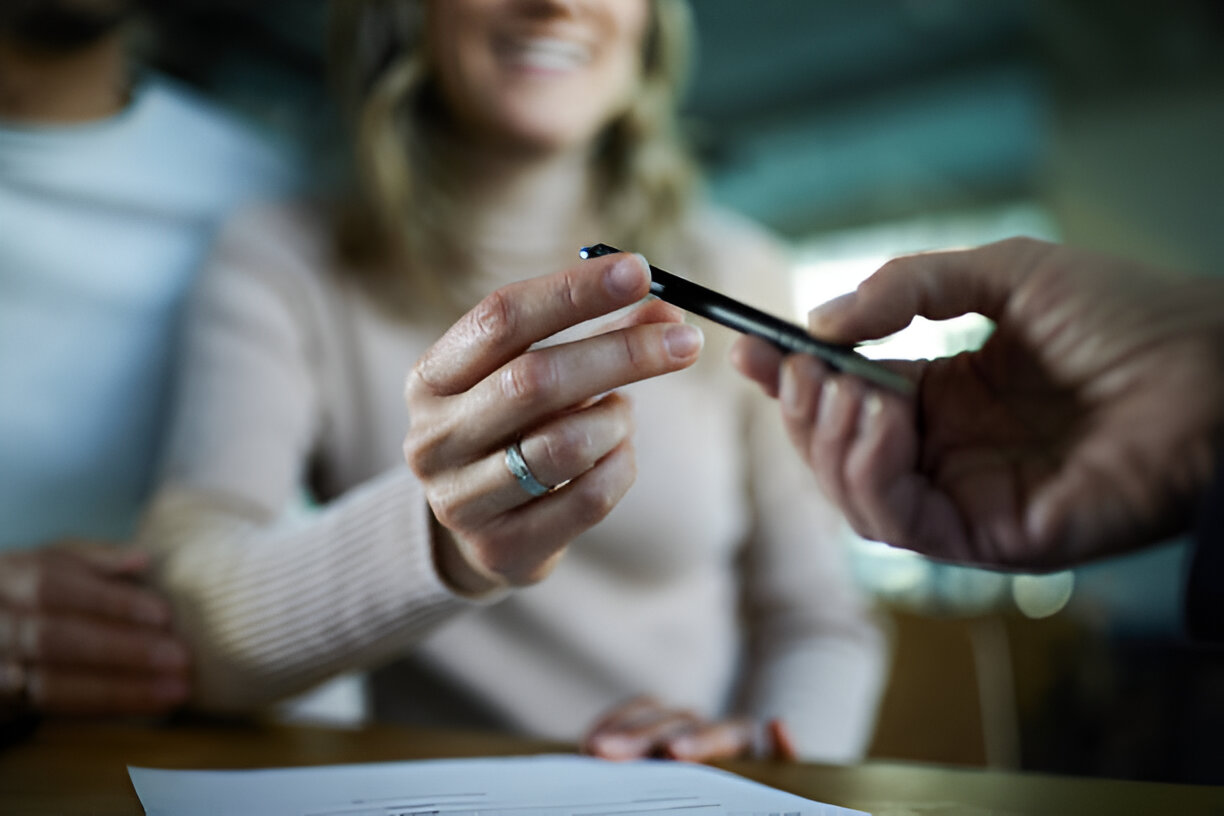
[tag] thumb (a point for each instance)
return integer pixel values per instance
(935, 285)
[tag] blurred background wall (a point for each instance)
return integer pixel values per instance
(863, 129)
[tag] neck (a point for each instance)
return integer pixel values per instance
(63, 88)
(524, 211)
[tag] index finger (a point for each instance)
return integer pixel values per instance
(113, 598)
(57, 583)
(108, 558)
(507, 322)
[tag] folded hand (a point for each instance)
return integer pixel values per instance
(78, 634)
(643, 727)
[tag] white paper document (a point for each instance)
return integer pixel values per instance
(504, 786)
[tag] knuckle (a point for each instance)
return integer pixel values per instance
(495, 317)
(414, 384)
(592, 502)
(634, 354)
(568, 449)
(528, 378)
(448, 512)
(569, 292)
(425, 378)
(623, 412)
(414, 451)
(881, 277)
(421, 446)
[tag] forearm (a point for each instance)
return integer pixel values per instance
(272, 609)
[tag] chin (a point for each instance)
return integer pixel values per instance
(558, 125)
(535, 138)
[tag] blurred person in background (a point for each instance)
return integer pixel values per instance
(1088, 425)
(111, 183)
(493, 139)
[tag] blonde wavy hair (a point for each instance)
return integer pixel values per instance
(399, 223)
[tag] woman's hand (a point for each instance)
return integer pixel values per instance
(1087, 425)
(643, 727)
(479, 389)
(79, 635)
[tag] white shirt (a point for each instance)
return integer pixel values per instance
(102, 226)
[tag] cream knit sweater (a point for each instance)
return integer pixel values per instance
(718, 583)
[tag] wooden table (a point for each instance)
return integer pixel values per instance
(80, 768)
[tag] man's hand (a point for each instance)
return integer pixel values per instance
(79, 635)
(1087, 425)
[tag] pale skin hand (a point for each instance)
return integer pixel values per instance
(81, 636)
(479, 388)
(643, 727)
(1087, 425)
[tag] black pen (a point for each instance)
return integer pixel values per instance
(782, 334)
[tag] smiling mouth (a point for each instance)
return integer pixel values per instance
(550, 55)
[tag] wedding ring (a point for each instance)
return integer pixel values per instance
(517, 466)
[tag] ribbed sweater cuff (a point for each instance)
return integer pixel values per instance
(271, 610)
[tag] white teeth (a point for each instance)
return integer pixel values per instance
(550, 54)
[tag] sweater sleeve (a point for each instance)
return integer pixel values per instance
(273, 601)
(818, 657)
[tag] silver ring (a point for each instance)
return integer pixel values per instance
(517, 466)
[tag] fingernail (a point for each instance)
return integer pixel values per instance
(682, 341)
(874, 406)
(169, 656)
(624, 279)
(827, 312)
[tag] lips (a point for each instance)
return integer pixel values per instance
(550, 55)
